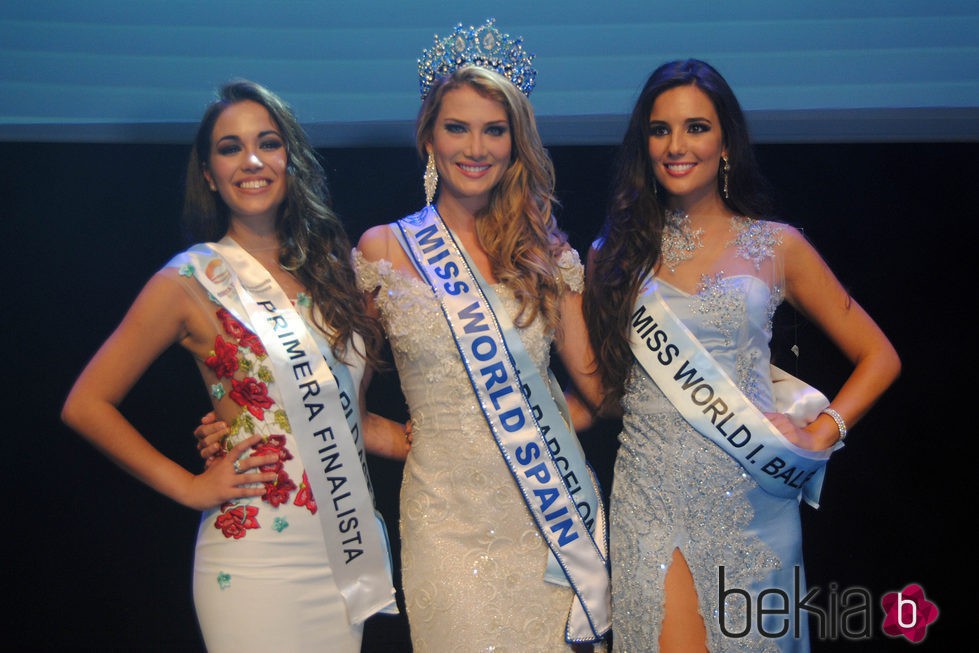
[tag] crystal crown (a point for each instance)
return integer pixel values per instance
(484, 46)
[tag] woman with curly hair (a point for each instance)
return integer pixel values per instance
(472, 290)
(268, 307)
(682, 287)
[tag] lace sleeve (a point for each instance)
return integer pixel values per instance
(572, 271)
(369, 273)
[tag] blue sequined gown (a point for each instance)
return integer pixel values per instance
(674, 489)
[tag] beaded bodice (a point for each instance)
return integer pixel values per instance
(471, 552)
(675, 489)
(732, 308)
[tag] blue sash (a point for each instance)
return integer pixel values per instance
(534, 438)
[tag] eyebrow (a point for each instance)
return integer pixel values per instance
(466, 122)
(687, 121)
(236, 137)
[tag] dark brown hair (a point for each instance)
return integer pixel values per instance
(632, 232)
(314, 245)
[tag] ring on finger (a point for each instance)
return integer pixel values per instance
(236, 466)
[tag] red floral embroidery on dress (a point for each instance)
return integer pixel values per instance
(237, 330)
(251, 341)
(237, 521)
(239, 354)
(278, 491)
(305, 496)
(224, 360)
(275, 445)
(252, 394)
(232, 326)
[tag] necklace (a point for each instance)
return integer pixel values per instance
(680, 242)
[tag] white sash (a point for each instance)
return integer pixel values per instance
(325, 417)
(535, 439)
(712, 404)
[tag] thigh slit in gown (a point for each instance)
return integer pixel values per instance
(674, 489)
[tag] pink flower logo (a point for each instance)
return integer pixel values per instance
(908, 613)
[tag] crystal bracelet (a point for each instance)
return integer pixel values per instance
(840, 424)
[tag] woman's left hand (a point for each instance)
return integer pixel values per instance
(804, 438)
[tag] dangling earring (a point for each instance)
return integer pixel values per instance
(655, 189)
(726, 169)
(431, 179)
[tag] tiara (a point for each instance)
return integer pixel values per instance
(483, 46)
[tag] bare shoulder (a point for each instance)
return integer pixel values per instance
(375, 243)
(380, 244)
(790, 237)
(169, 297)
(797, 251)
(168, 284)
(160, 315)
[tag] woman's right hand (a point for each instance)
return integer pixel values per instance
(223, 480)
(210, 437)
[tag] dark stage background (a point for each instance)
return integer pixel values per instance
(95, 561)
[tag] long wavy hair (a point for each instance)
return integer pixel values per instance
(517, 227)
(631, 236)
(313, 244)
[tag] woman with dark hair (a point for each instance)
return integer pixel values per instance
(682, 287)
(472, 290)
(268, 307)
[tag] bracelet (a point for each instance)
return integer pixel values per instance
(840, 424)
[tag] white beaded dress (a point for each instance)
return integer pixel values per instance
(673, 488)
(472, 558)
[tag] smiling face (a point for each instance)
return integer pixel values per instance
(472, 144)
(247, 164)
(685, 146)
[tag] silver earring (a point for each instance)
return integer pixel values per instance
(727, 169)
(431, 179)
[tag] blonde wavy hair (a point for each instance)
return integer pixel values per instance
(516, 227)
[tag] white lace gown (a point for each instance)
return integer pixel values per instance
(472, 558)
(674, 489)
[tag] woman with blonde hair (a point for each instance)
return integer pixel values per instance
(501, 527)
